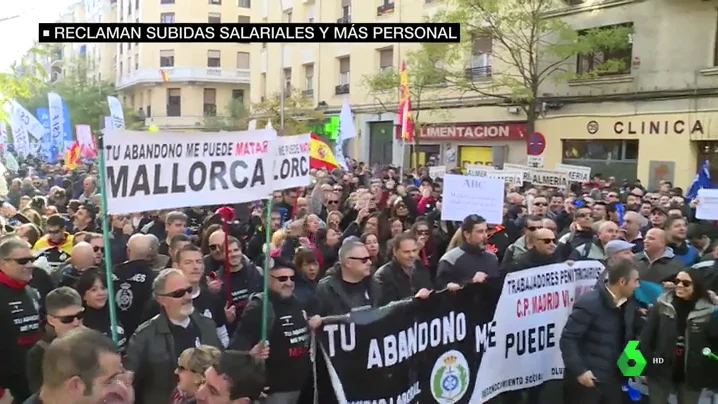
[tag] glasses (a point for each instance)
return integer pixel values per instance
(685, 282)
(540, 204)
(333, 202)
(548, 240)
(422, 232)
(215, 247)
(22, 260)
(98, 248)
(363, 260)
(71, 318)
(178, 293)
(284, 278)
(533, 228)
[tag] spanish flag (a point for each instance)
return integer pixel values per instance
(320, 154)
(163, 74)
(404, 111)
(72, 156)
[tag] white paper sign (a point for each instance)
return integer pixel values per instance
(549, 178)
(524, 170)
(291, 168)
(466, 195)
(513, 177)
(153, 171)
(575, 173)
(707, 208)
(535, 302)
(535, 161)
(437, 172)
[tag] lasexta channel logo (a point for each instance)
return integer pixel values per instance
(631, 363)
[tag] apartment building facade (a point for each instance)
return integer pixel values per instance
(175, 86)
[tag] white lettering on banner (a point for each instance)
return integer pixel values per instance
(531, 313)
(575, 173)
(513, 177)
(549, 178)
(437, 172)
(152, 171)
(291, 168)
(524, 170)
(479, 170)
(466, 195)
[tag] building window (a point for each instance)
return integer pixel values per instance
(344, 76)
(386, 7)
(214, 58)
(480, 63)
(309, 79)
(594, 61)
(346, 12)
(167, 18)
(287, 16)
(167, 1)
(263, 85)
(137, 4)
(287, 80)
(386, 58)
(137, 61)
(210, 102)
(216, 2)
(121, 68)
(214, 18)
(715, 46)
(245, 4)
(243, 19)
(174, 102)
(167, 58)
(242, 60)
(604, 150)
(574, 2)
(129, 65)
(310, 13)
(238, 95)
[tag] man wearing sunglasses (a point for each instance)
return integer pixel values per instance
(19, 305)
(64, 313)
(156, 345)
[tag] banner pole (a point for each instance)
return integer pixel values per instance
(267, 258)
(106, 234)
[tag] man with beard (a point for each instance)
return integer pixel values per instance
(133, 281)
(154, 348)
(83, 367)
(288, 364)
(244, 280)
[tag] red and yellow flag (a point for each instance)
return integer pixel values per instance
(164, 75)
(320, 154)
(405, 120)
(72, 156)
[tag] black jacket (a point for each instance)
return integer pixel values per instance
(658, 340)
(132, 281)
(572, 240)
(531, 259)
(34, 362)
(394, 283)
(460, 264)
(596, 333)
(333, 297)
(151, 355)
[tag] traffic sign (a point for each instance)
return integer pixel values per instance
(535, 144)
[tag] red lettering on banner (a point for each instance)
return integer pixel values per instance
(545, 302)
(297, 351)
(248, 148)
(476, 131)
(522, 308)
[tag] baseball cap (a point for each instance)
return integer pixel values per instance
(615, 246)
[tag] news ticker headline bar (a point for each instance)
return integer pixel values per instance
(251, 32)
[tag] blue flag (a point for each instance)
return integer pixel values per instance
(648, 292)
(67, 128)
(49, 149)
(702, 180)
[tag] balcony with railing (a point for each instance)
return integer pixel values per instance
(184, 74)
(478, 72)
(341, 89)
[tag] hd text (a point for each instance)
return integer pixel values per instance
(310, 32)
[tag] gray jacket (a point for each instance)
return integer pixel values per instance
(664, 268)
(151, 355)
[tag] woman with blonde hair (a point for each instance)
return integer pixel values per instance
(456, 240)
(191, 365)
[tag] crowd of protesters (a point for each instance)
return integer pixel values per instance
(188, 287)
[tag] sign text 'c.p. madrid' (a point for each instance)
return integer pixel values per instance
(151, 171)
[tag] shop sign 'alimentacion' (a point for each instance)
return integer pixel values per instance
(501, 130)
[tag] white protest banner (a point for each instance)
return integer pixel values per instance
(707, 208)
(20, 137)
(513, 177)
(152, 171)
(116, 112)
(524, 170)
(33, 126)
(549, 178)
(530, 315)
(57, 121)
(575, 173)
(437, 172)
(479, 170)
(291, 167)
(466, 195)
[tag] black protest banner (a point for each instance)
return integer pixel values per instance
(414, 351)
